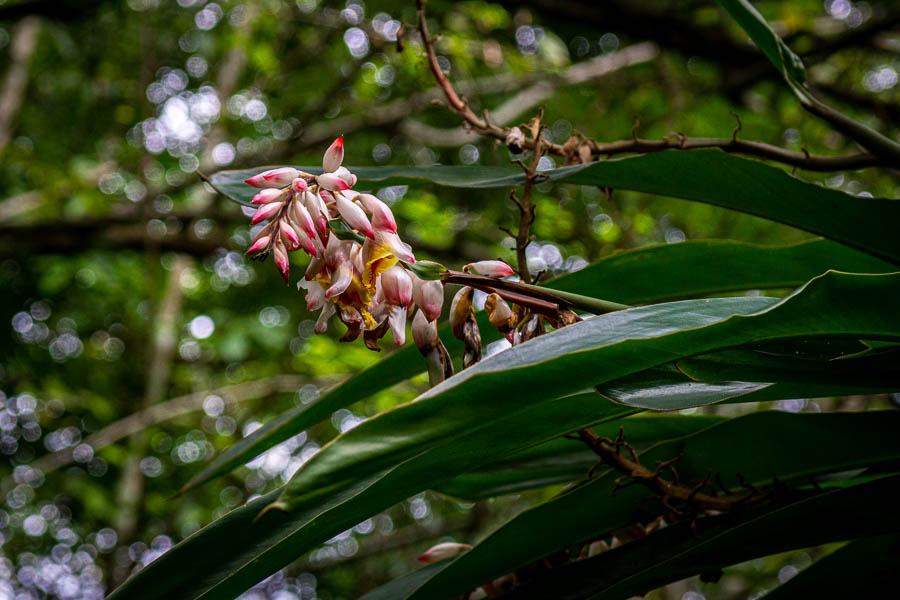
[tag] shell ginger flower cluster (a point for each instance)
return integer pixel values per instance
(359, 266)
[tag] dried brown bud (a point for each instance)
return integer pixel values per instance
(515, 140)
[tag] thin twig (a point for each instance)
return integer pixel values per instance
(637, 145)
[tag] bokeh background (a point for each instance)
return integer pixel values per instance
(137, 341)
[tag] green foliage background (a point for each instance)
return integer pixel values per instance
(107, 234)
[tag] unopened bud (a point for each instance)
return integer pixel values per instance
(382, 217)
(268, 195)
(289, 234)
(397, 286)
(302, 218)
(279, 177)
(515, 140)
(334, 156)
(345, 174)
(354, 216)
(429, 296)
(332, 182)
(442, 551)
(266, 211)
(424, 332)
(258, 244)
(281, 260)
(490, 268)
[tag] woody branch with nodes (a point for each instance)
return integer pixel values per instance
(680, 499)
(582, 149)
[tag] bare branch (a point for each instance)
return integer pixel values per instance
(24, 41)
(636, 145)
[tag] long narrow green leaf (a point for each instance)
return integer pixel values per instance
(791, 68)
(635, 277)
(708, 176)
(667, 388)
(597, 350)
(783, 58)
(563, 460)
(453, 428)
(759, 447)
(670, 271)
(875, 370)
(673, 553)
(234, 552)
(864, 567)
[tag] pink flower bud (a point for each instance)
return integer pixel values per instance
(340, 281)
(299, 185)
(258, 244)
(315, 294)
(354, 216)
(273, 178)
(490, 268)
(301, 216)
(397, 321)
(429, 296)
(266, 211)
(317, 211)
(345, 174)
(289, 234)
(442, 551)
(322, 322)
(382, 217)
(424, 332)
(281, 260)
(334, 156)
(268, 195)
(332, 182)
(397, 286)
(306, 242)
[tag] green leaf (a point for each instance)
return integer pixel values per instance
(667, 388)
(595, 351)
(399, 366)
(562, 460)
(633, 277)
(673, 553)
(453, 428)
(234, 552)
(788, 64)
(669, 271)
(791, 68)
(864, 567)
(717, 178)
(427, 270)
(710, 176)
(759, 446)
(340, 229)
(876, 370)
